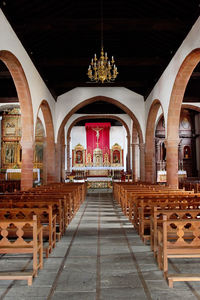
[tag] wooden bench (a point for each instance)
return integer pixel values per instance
(172, 213)
(44, 216)
(19, 244)
(184, 244)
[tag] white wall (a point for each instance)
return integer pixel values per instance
(67, 101)
(78, 136)
(38, 90)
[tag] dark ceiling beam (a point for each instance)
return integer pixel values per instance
(5, 74)
(191, 99)
(82, 61)
(195, 75)
(67, 84)
(8, 99)
(93, 24)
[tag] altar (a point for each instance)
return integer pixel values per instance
(99, 183)
(15, 174)
(96, 171)
(97, 158)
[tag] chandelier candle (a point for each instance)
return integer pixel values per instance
(102, 69)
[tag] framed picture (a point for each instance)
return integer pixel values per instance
(116, 155)
(78, 156)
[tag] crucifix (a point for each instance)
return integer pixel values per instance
(97, 129)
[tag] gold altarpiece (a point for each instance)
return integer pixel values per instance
(11, 154)
(11, 151)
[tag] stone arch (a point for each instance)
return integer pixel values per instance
(99, 117)
(174, 110)
(82, 104)
(150, 142)
(49, 145)
(24, 96)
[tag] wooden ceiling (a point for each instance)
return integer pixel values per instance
(61, 37)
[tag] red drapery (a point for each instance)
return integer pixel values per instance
(104, 137)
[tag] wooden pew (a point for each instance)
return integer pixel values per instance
(191, 211)
(21, 245)
(44, 216)
(186, 245)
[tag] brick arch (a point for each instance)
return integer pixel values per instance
(49, 146)
(189, 106)
(25, 101)
(99, 117)
(150, 163)
(74, 110)
(59, 146)
(105, 99)
(174, 110)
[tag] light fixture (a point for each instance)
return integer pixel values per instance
(102, 69)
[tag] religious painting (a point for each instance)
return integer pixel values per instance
(38, 153)
(78, 156)
(11, 126)
(116, 156)
(9, 153)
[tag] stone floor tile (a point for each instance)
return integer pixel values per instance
(74, 296)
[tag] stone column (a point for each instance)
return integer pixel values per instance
(128, 153)
(142, 161)
(58, 162)
(134, 161)
(45, 161)
(172, 162)
(27, 165)
(68, 153)
(63, 175)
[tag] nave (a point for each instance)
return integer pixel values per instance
(100, 257)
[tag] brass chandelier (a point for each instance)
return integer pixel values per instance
(102, 69)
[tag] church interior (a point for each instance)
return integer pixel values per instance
(100, 149)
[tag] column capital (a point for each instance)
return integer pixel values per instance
(141, 146)
(172, 142)
(27, 144)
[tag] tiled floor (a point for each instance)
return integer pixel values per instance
(100, 257)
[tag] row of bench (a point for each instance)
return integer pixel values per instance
(33, 221)
(168, 218)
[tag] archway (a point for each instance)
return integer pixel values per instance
(24, 97)
(82, 104)
(49, 149)
(174, 110)
(150, 162)
(99, 117)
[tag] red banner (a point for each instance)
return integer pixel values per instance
(97, 136)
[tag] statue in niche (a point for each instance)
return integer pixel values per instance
(106, 162)
(186, 151)
(89, 160)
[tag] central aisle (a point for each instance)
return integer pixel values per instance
(107, 260)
